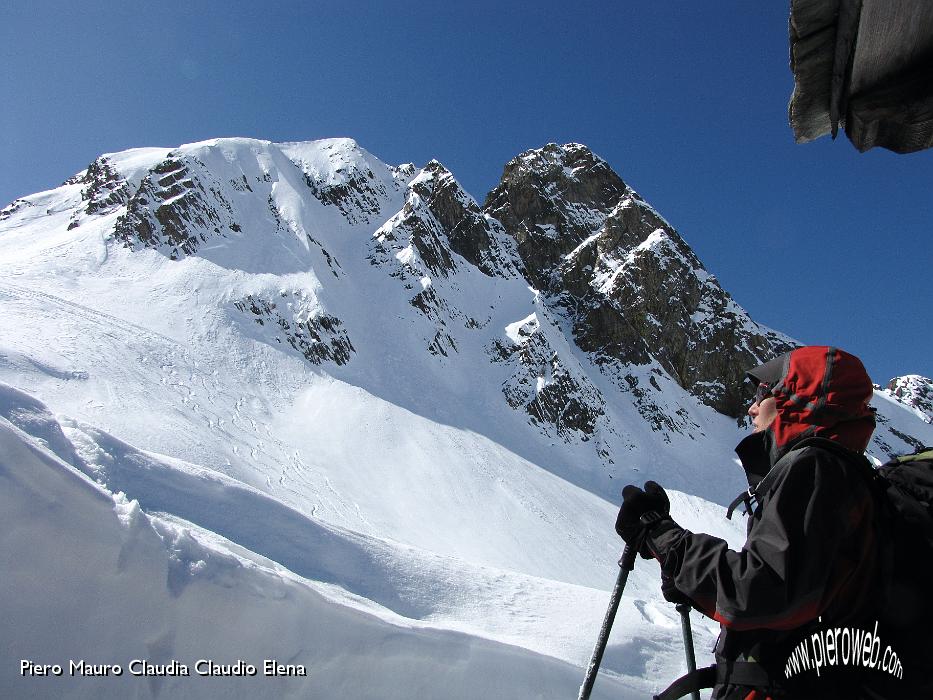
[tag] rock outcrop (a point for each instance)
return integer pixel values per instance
(630, 286)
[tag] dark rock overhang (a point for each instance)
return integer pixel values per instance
(865, 65)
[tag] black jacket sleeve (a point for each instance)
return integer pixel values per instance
(803, 546)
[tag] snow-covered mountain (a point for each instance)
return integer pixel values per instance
(350, 386)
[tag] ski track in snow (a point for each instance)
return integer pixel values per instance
(149, 359)
(394, 582)
(106, 322)
(143, 587)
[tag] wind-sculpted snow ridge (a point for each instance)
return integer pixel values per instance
(173, 563)
(244, 189)
(340, 173)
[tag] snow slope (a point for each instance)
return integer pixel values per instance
(205, 567)
(90, 576)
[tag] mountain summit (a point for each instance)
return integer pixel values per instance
(632, 289)
(564, 318)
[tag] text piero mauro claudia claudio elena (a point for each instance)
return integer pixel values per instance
(141, 667)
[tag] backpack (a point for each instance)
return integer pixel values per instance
(908, 486)
(905, 488)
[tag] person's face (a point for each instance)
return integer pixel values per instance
(763, 413)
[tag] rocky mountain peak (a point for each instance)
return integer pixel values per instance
(629, 285)
(341, 173)
(915, 391)
(467, 230)
(550, 200)
(629, 289)
(573, 170)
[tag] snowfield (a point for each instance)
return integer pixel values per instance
(291, 442)
(206, 568)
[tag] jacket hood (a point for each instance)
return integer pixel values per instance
(824, 392)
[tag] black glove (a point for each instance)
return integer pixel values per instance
(635, 503)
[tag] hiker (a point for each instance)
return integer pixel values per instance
(812, 562)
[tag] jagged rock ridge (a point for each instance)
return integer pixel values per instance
(177, 208)
(627, 282)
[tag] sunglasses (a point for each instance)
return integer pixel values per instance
(763, 392)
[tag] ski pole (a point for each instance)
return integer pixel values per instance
(626, 564)
(684, 610)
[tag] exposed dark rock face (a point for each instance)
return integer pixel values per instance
(359, 198)
(175, 209)
(353, 187)
(630, 286)
(551, 393)
(550, 200)
(438, 221)
(105, 189)
(412, 246)
(469, 233)
(439, 232)
(638, 275)
(320, 338)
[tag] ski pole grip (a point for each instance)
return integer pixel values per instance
(629, 554)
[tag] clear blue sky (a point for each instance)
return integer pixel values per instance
(687, 102)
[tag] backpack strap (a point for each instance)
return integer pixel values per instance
(753, 496)
(689, 683)
(925, 453)
(744, 497)
(746, 673)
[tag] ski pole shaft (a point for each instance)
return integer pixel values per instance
(626, 564)
(684, 611)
